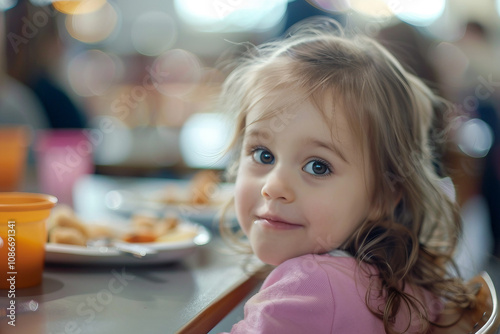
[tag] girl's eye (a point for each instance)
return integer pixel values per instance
(316, 167)
(263, 156)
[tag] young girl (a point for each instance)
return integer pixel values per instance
(336, 186)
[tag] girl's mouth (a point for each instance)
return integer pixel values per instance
(276, 224)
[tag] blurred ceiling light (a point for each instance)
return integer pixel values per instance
(93, 27)
(153, 33)
(203, 140)
(331, 6)
(375, 9)
(176, 72)
(475, 138)
(92, 73)
(231, 15)
(7, 4)
(75, 7)
(417, 13)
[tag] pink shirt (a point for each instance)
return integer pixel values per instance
(320, 294)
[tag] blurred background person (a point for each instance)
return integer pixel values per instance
(34, 52)
(18, 104)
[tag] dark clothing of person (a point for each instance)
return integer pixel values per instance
(60, 111)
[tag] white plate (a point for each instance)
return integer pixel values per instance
(167, 252)
(149, 198)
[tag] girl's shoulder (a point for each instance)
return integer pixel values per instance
(324, 291)
(337, 266)
(338, 284)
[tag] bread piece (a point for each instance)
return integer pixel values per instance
(64, 216)
(96, 231)
(67, 235)
(179, 234)
(143, 224)
(165, 225)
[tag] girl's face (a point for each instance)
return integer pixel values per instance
(301, 187)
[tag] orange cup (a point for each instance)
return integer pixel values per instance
(14, 143)
(22, 238)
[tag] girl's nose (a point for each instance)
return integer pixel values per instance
(278, 186)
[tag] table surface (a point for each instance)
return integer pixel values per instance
(160, 298)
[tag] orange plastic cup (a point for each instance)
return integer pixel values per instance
(22, 238)
(14, 142)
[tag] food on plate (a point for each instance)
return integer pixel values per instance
(203, 190)
(181, 233)
(63, 216)
(149, 229)
(64, 227)
(139, 238)
(67, 235)
(149, 224)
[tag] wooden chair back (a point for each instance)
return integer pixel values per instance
(484, 318)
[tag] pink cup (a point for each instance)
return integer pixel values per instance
(62, 157)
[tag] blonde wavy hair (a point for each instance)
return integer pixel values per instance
(396, 117)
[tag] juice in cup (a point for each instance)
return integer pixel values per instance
(22, 238)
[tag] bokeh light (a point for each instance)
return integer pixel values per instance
(176, 72)
(418, 13)
(95, 26)
(203, 140)
(153, 33)
(475, 138)
(92, 73)
(241, 15)
(7, 4)
(374, 9)
(76, 7)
